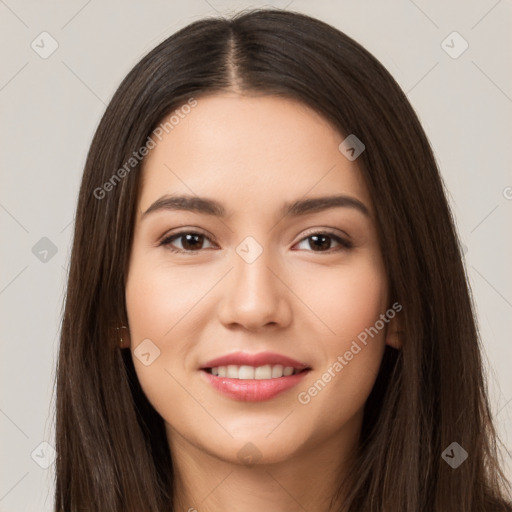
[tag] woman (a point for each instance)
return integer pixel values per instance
(267, 304)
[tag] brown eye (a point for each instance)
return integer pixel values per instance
(191, 241)
(321, 242)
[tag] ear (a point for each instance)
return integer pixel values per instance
(123, 337)
(394, 331)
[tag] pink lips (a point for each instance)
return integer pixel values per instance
(253, 390)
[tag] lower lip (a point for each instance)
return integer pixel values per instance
(252, 390)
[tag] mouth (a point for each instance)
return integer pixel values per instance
(253, 377)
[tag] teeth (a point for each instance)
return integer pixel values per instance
(250, 372)
(262, 372)
(277, 371)
(287, 371)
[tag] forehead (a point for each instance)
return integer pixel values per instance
(249, 150)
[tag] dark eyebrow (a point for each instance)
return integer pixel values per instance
(293, 209)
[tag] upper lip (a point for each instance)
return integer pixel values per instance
(259, 359)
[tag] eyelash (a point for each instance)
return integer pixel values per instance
(166, 242)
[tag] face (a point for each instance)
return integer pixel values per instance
(257, 326)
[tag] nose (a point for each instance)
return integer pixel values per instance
(255, 295)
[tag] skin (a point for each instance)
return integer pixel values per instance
(252, 153)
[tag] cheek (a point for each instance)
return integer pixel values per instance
(362, 301)
(159, 300)
(165, 305)
(350, 303)
(348, 299)
(157, 303)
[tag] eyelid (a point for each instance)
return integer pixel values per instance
(311, 231)
(183, 230)
(345, 244)
(343, 239)
(328, 231)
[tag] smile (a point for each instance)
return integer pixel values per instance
(250, 372)
(253, 377)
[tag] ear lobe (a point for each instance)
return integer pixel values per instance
(394, 332)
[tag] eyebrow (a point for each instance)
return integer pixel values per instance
(291, 209)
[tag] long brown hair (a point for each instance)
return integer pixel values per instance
(112, 450)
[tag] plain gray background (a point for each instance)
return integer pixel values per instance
(51, 104)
